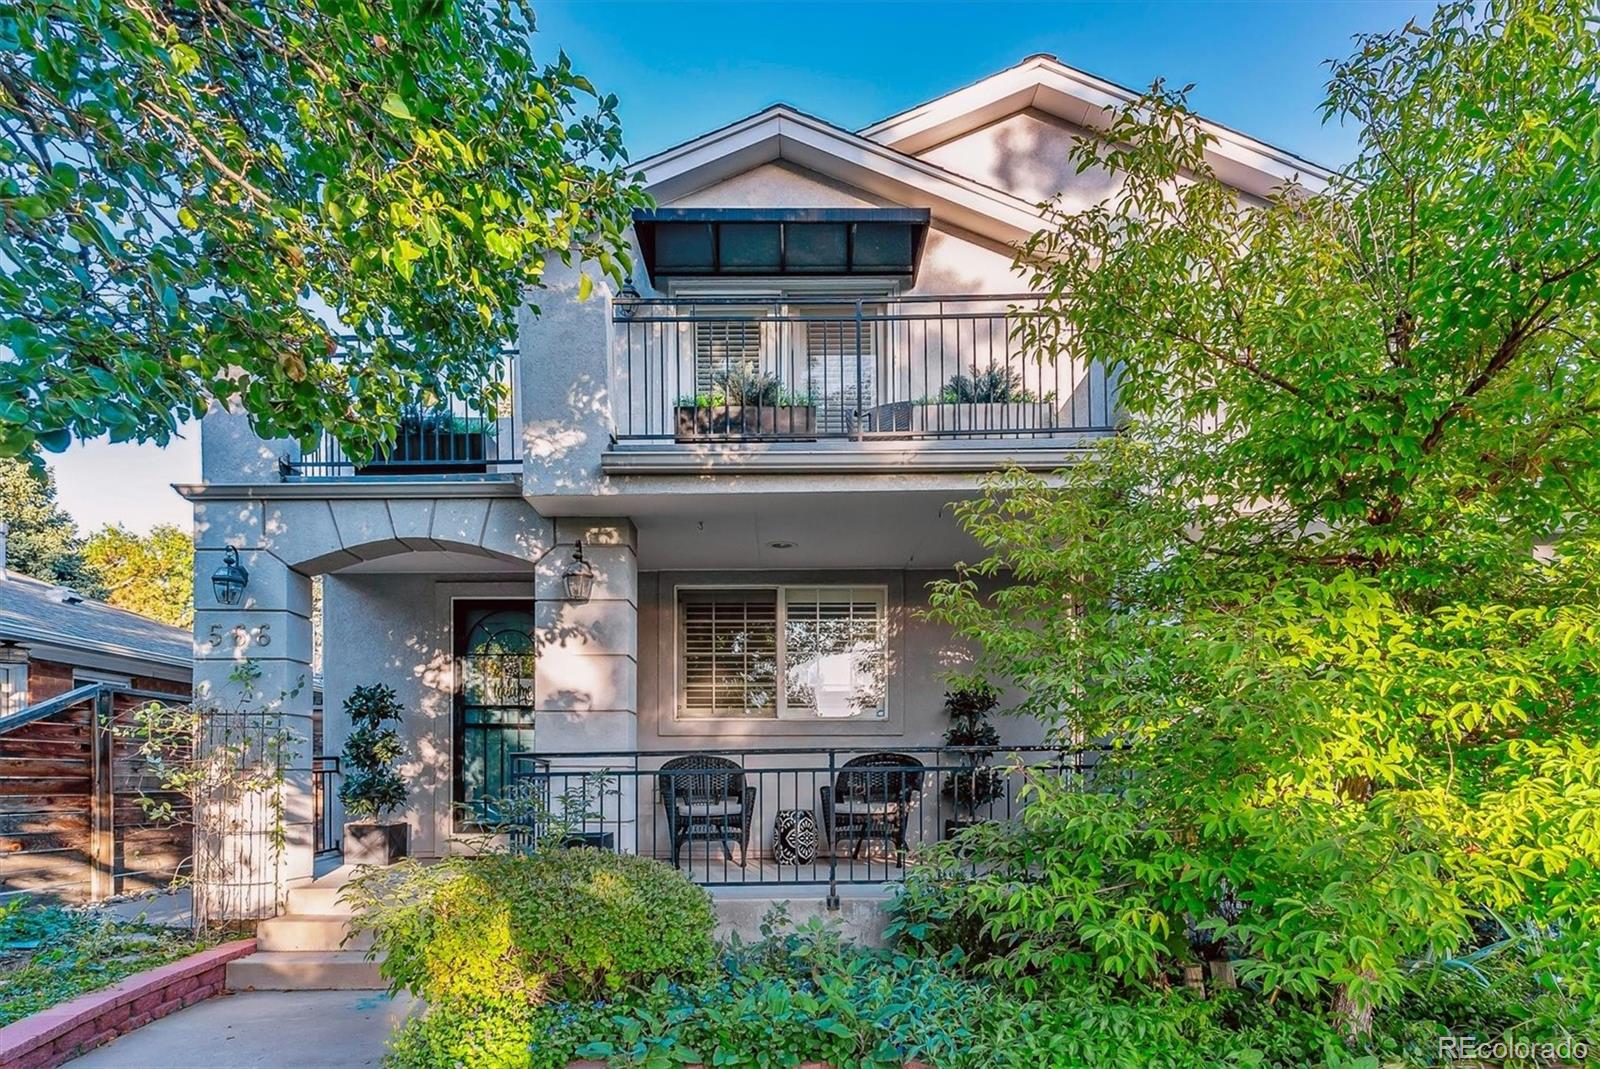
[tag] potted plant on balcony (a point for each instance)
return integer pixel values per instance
(745, 402)
(974, 740)
(992, 399)
(432, 440)
(371, 786)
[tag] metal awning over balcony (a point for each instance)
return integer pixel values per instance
(712, 242)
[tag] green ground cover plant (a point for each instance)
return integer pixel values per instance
(805, 995)
(50, 954)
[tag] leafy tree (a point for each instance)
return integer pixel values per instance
(200, 198)
(152, 574)
(1334, 595)
(43, 541)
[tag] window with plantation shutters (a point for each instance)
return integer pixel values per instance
(841, 366)
(728, 653)
(724, 346)
(790, 652)
(835, 652)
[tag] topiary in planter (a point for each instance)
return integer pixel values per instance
(371, 786)
(970, 789)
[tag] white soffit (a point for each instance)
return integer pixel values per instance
(1050, 86)
(781, 133)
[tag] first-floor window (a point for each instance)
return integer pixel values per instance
(782, 652)
(13, 687)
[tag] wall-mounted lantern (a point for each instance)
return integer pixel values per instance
(626, 302)
(579, 576)
(230, 580)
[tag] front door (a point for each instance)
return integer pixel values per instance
(495, 653)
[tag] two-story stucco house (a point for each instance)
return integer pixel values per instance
(756, 444)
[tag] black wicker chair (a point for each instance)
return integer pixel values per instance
(871, 798)
(706, 798)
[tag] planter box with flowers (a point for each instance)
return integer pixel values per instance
(986, 401)
(744, 402)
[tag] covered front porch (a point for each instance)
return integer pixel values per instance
(774, 817)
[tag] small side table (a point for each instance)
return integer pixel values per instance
(794, 837)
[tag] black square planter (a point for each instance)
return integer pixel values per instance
(376, 844)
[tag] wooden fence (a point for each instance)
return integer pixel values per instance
(72, 824)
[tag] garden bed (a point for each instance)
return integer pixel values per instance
(64, 1031)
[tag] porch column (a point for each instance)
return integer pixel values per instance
(252, 680)
(586, 675)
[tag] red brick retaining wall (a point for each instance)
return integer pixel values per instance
(59, 1033)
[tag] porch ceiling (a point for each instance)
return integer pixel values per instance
(828, 530)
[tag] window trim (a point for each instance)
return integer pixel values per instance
(781, 714)
(15, 687)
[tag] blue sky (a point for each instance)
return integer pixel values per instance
(680, 69)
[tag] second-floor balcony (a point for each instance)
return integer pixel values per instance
(817, 369)
(434, 437)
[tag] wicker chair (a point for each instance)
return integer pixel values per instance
(871, 798)
(706, 798)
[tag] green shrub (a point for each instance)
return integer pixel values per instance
(504, 931)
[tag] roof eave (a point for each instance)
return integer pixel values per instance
(1048, 85)
(782, 134)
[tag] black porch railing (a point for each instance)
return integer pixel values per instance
(448, 437)
(777, 817)
(325, 836)
(815, 368)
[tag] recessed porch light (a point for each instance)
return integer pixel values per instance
(780, 545)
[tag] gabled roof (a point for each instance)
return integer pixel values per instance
(781, 132)
(1044, 83)
(35, 612)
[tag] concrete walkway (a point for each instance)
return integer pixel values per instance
(304, 1029)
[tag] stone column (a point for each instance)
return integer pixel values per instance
(252, 678)
(586, 679)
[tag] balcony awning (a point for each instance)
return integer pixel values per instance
(723, 242)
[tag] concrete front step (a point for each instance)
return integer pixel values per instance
(304, 970)
(318, 900)
(309, 931)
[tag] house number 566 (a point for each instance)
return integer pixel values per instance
(240, 635)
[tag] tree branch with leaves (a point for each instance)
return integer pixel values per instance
(316, 214)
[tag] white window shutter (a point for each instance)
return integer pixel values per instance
(832, 374)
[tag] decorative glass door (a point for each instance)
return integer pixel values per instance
(494, 700)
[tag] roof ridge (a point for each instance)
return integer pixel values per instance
(953, 175)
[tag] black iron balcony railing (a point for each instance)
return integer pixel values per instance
(778, 816)
(810, 368)
(445, 438)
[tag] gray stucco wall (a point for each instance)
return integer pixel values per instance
(396, 629)
(1025, 154)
